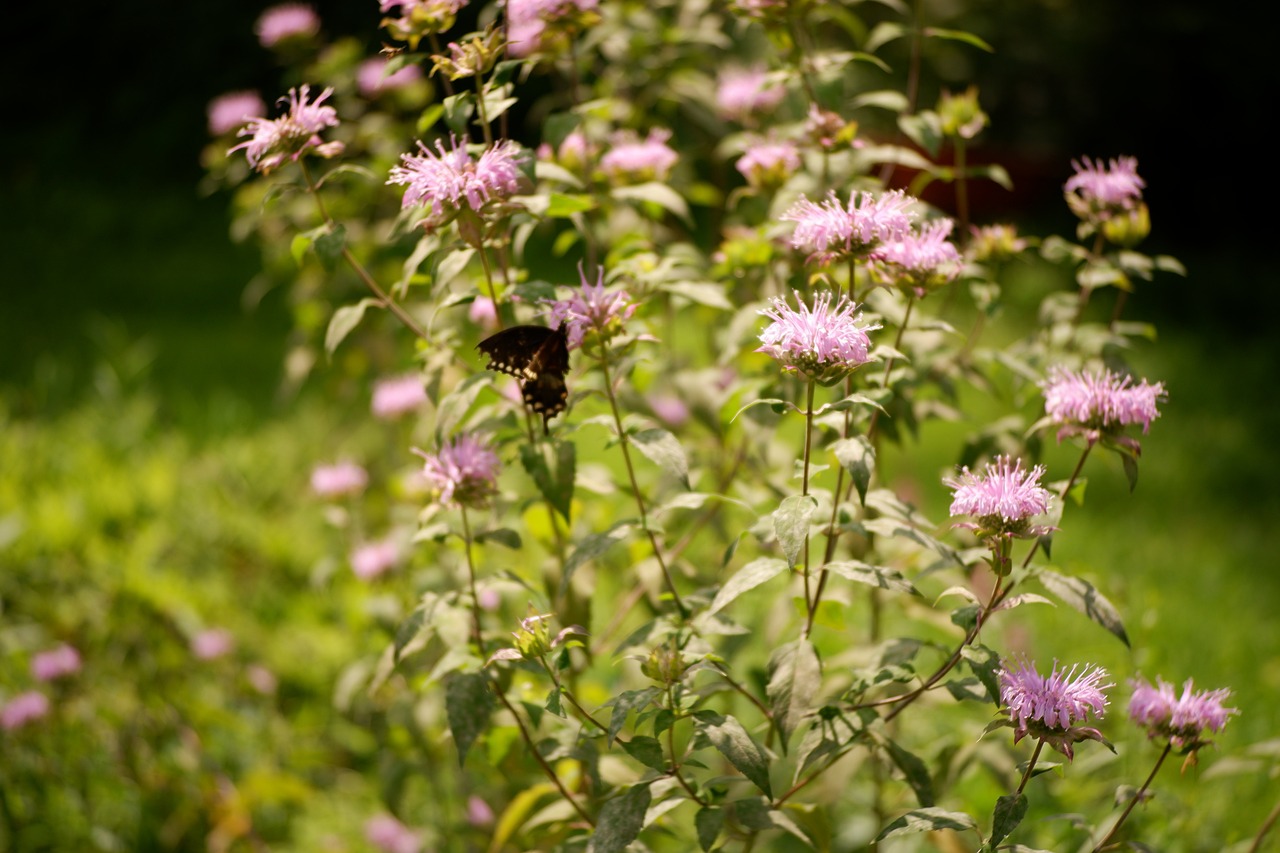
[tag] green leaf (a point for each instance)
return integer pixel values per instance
(590, 548)
(660, 194)
(343, 321)
(1009, 812)
(794, 677)
(877, 576)
(858, 456)
(1082, 595)
(564, 205)
(455, 405)
(729, 737)
(468, 703)
(915, 771)
(958, 35)
(709, 293)
(553, 467)
(646, 750)
(620, 820)
(983, 663)
(662, 448)
(927, 820)
(748, 577)
(625, 703)
(329, 245)
(791, 523)
(708, 822)
(503, 536)
(458, 110)
(754, 813)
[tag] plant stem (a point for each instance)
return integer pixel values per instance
(888, 367)
(471, 580)
(1031, 765)
(542, 762)
(1136, 798)
(809, 603)
(1264, 829)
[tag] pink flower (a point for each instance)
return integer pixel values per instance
(261, 679)
(1050, 707)
(823, 343)
(55, 663)
(388, 834)
(396, 396)
(374, 558)
(22, 709)
(464, 471)
(1117, 187)
(769, 164)
(924, 258)
(212, 643)
(478, 812)
(1093, 403)
(343, 478)
(450, 179)
(483, 313)
(1182, 719)
(232, 110)
(830, 229)
(372, 78)
(632, 160)
(287, 20)
(528, 20)
(669, 408)
(743, 91)
(591, 309)
(273, 141)
(1002, 499)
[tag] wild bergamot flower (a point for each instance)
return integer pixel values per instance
(858, 228)
(1090, 403)
(1182, 719)
(448, 179)
(297, 132)
(1050, 707)
(1003, 498)
(824, 343)
(464, 471)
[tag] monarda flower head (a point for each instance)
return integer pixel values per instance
(463, 473)
(1182, 720)
(285, 22)
(743, 91)
(824, 343)
(831, 229)
(1050, 707)
(922, 259)
(398, 395)
(1095, 404)
(632, 160)
(419, 18)
(233, 110)
(767, 165)
(1109, 198)
(448, 179)
(545, 25)
(297, 132)
(591, 311)
(1003, 498)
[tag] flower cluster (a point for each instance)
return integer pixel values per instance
(342, 478)
(231, 111)
(591, 311)
(1049, 707)
(448, 179)
(824, 343)
(1091, 403)
(1184, 719)
(922, 259)
(994, 242)
(632, 160)
(419, 18)
(769, 164)
(286, 22)
(832, 229)
(397, 396)
(744, 91)
(1003, 498)
(532, 25)
(212, 643)
(273, 141)
(464, 472)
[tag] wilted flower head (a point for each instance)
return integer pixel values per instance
(372, 78)
(591, 310)
(464, 471)
(54, 663)
(743, 91)
(634, 160)
(532, 25)
(1092, 403)
(286, 21)
(1003, 498)
(922, 259)
(374, 558)
(824, 343)
(391, 836)
(859, 228)
(828, 129)
(398, 395)
(994, 242)
(297, 132)
(1049, 708)
(233, 110)
(342, 478)
(769, 164)
(448, 179)
(22, 709)
(1182, 719)
(212, 643)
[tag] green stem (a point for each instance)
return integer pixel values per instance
(1031, 765)
(1264, 829)
(888, 366)
(962, 193)
(1137, 798)
(542, 762)
(471, 581)
(671, 745)
(809, 603)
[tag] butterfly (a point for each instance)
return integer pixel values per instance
(539, 358)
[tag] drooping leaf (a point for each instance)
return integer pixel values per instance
(468, 702)
(662, 448)
(794, 677)
(983, 663)
(329, 245)
(343, 321)
(791, 524)
(620, 820)
(646, 750)
(754, 813)
(858, 456)
(748, 577)
(1009, 812)
(553, 466)
(625, 703)
(708, 822)
(927, 820)
(732, 740)
(1082, 595)
(590, 548)
(503, 536)
(877, 576)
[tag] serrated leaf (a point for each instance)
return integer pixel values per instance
(877, 576)
(857, 456)
(646, 750)
(662, 448)
(625, 703)
(503, 536)
(915, 772)
(1082, 595)
(983, 663)
(1009, 812)
(620, 820)
(343, 321)
(468, 703)
(794, 677)
(553, 466)
(729, 737)
(791, 524)
(708, 822)
(748, 577)
(927, 820)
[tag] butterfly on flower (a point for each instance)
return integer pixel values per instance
(539, 357)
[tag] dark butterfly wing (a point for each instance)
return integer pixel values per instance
(545, 395)
(539, 358)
